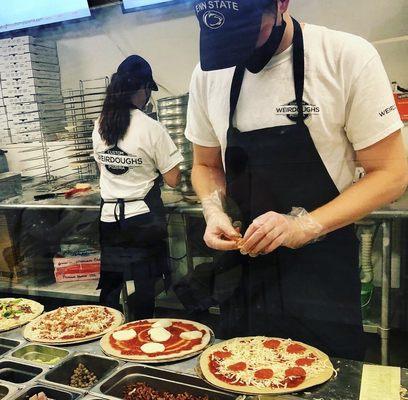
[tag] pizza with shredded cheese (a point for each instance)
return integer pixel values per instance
(17, 312)
(156, 340)
(73, 324)
(264, 365)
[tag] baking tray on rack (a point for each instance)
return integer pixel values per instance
(49, 391)
(7, 345)
(41, 354)
(102, 367)
(160, 380)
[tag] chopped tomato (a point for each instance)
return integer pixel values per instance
(295, 348)
(295, 372)
(222, 354)
(264, 374)
(240, 366)
(305, 361)
(272, 344)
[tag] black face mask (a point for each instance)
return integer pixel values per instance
(261, 56)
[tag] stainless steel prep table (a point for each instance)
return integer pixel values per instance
(384, 217)
(346, 386)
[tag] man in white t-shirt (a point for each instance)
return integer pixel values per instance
(280, 115)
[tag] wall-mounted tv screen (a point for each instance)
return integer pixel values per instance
(129, 5)
(19, 14)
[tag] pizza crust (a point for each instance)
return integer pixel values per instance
(206, 339)
(36, 308)
(308, 383)
(30, 334)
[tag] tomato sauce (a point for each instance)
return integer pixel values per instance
(214, 368)
(174, 345)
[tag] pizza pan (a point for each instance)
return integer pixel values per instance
(26, 333)
(165, 360)
(160, 380)
(19, 325)
(276, 391)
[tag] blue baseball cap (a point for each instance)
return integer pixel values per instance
(229, 31)
(139, 69)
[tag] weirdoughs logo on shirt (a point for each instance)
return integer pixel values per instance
(290, 110)
(117, 161)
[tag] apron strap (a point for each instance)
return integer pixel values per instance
(234, 94)
(298, 68)
(298, 73)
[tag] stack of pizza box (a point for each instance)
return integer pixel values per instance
(31, 89)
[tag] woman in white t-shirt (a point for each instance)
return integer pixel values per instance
(133, 151)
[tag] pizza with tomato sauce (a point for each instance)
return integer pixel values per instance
(157, 340)
(262, 365)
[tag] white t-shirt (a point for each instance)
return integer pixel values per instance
(128, 171)
(349, 97)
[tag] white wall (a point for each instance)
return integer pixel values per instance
(168, 37)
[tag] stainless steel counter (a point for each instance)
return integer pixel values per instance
(346, 386)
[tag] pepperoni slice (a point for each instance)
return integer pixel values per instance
(222, 354)
(272, 344)
(239, 366)
(295, 372)
(295, 348)
(306, 361)
(294, 382)
(264, 374)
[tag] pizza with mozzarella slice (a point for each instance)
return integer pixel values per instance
(264, 365)
(156, 340)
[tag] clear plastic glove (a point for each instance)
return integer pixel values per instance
(272, 230)
(220, 233)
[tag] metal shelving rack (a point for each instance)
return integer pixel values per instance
(82, 107)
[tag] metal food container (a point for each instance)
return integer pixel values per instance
(100, 366)
(161, 380)
(50, 392)
(7, 390)
(15, 372)
(176, 132)
(7, 344)
(41, 354)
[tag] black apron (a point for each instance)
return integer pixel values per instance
(310, 294)
(134, 248)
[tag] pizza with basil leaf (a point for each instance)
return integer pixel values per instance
(263, 365)
(15, 312)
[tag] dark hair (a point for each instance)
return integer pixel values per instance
(115, 116)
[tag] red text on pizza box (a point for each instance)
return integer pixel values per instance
(78, 268)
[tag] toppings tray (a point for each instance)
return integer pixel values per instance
(6, 390)
(160, 381)
(7, 344)
(50, 392)
(94, 366)
(40, 354)
(18, 373)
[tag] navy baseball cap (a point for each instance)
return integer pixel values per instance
(139, 69)
(229, 31)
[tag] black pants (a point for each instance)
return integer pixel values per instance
(134, 249)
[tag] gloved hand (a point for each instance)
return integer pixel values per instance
(272, 230)
(220, 233)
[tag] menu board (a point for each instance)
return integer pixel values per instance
(27, 13)
(129, 5)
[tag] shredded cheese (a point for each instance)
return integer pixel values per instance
(256, 356)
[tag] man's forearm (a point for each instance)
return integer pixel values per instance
(372, 192)
(206, 180)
